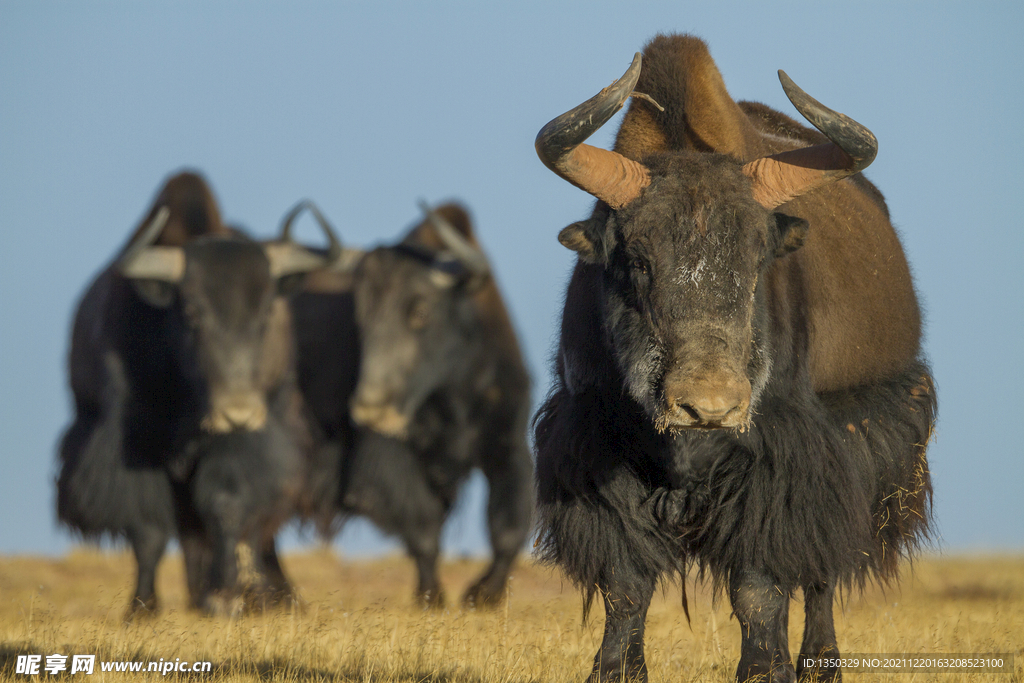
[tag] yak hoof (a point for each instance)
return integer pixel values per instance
(480, 596)
(431, 599)
(266, 600)
(224, 605)
(618, 676)
(777, 673)
(141, 609)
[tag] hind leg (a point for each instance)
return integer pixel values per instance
(819, 635)
(509, 508)
(762, 608)
(148, 543)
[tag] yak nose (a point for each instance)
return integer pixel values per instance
(383, 418)
(710, 402)
(237, 412)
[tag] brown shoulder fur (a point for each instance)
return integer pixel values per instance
(425, 235)
(680, 75)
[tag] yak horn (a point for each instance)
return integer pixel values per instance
(142, 260)
(333, 244)
(467, 253)
(607, 175)
(784, 176)
(288, 258)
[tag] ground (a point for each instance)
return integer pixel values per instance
(359, 622)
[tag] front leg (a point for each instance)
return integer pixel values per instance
(223, 598)
(762, 607)
(198, 557)
(273, 588)
(819, 636)
(621, 657)
(148, 543)
(388, 483)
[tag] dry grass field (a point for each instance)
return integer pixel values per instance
(359, 624)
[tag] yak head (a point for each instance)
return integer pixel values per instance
(415, 311)
(226, 316)
(684, 238)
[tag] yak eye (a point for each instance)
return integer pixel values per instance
(639, 266)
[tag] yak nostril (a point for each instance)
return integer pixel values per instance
(244, 411)
(711, 411)
(385, 418)
(237, 415)
(690, 411)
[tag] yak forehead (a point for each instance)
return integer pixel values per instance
(390, 281)
(698, 228)
(229, 280)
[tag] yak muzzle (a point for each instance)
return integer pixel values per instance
(236, 412)
(718, 402)
(382, 418)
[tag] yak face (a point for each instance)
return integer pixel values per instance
(229, 327)
(414, 312)
(691, 233)
(684, 303)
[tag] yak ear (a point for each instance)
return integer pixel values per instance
(792, 231)
(589, 239)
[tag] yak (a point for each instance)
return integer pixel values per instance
(188, 419)
(739, 383)
(409, 360)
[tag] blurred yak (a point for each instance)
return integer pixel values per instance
(412, 367)
(739, 382)
(188, 420)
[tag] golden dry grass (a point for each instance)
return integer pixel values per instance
(360, 624)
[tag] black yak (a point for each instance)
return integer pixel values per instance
(739, 381)
(188, 420)
(412, 367)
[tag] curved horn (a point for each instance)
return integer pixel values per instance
(470, 255)
(607, 175)
(143, 261)
(784, 176)
(333, 244)
(288, 258)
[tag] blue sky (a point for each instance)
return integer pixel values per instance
(366, 107)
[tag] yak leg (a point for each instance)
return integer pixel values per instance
(819, 635)
(762, 608)
(424, 551)
(221, 508)
(195, 548)
(621, 657)
(387, 483)
(148, 544)
(223, 598)
(509, 507)
(274, 585)
(198, 559)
